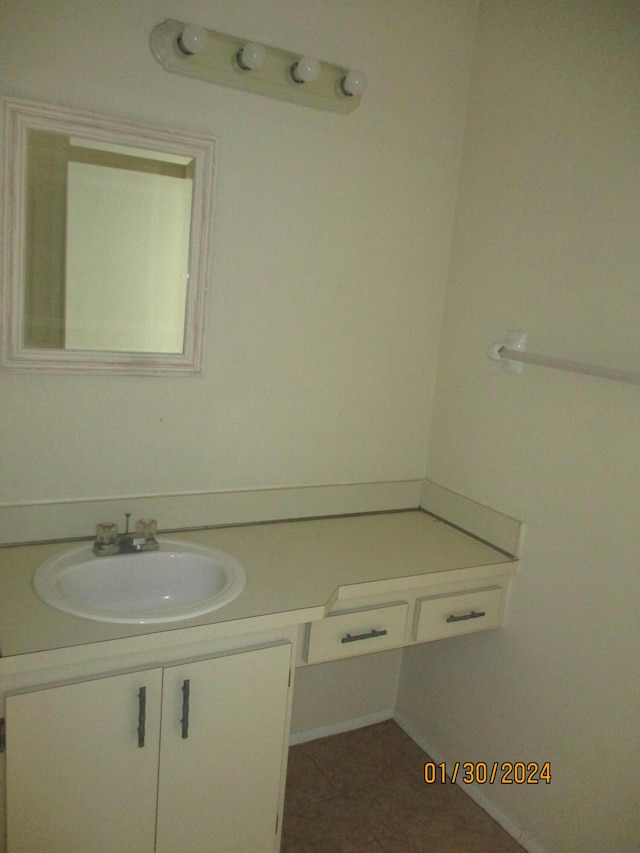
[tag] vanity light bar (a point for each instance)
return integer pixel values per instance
(230, 61)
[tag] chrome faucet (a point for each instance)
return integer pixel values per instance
(109, 542)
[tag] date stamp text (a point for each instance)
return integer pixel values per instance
(481, 773)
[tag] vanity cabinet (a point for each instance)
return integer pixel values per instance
(189, 757)
(78, 696)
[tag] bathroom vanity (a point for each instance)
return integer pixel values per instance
(174, 736)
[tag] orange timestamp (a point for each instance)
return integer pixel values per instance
(502, 773)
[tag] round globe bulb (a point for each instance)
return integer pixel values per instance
(305, 70)
(192, 40)
(354, 83)
(251, 57)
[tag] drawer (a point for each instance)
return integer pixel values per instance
(459, 613)
(357, 632)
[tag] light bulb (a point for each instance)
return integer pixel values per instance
(305, 70)
(192, 40)
(354, 83)
(251, 56)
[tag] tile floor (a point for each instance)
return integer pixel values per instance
(363, 792)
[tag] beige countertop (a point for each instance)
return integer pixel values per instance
(294, 569)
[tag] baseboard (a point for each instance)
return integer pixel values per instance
(473, 790)
(340, 727)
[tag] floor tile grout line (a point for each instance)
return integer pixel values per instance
(340, 792)
(337, 791)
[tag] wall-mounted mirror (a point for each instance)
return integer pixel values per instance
(107, 232)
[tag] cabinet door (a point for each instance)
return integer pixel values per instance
(222, 752)
(77, 779)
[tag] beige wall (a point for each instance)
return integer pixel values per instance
(330, 252)
(330, 697)
(546, 240)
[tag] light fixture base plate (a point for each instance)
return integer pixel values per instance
(218, 64)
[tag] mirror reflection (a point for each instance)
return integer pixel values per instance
(106, 243)
(107, 246)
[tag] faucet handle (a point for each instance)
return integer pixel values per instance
(106, 542)
(147, 528)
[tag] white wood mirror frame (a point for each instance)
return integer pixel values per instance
(93, 130)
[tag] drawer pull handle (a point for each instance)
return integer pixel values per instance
(354, 638)
(142, 715)
(475, 614)
(185, 707)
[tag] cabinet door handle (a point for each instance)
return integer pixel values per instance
(185, 708)
(142, 715)
(475, 614)
(353, 638)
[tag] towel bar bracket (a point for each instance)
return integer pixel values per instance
(514, 340)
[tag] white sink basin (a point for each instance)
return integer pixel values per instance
(179, 581)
